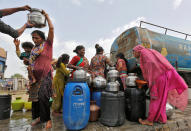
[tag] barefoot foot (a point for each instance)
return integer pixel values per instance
(35, 122)
(145, 122)
(48, 124)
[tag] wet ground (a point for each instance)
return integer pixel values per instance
(20, 121)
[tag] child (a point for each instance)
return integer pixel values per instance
(27, 46)
(59, 81)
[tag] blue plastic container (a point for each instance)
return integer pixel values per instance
(76, 105)
(96, 96)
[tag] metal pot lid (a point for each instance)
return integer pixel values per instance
(112, 68)
(35, 9)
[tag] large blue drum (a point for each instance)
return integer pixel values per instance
(76, 105)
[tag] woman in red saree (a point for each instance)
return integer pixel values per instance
(164, 82)
(79, 61)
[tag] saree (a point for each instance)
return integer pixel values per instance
(122, 71)
(81, 62)
(97, 65)
(42, 71)
(164, 82)
(59, 82)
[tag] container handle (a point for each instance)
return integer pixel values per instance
(77, 91)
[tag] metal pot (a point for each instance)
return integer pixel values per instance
(113, 74)
(169, 109)
(37, 18)
(99, 82)
(88, 78)
(130, 80)
(112, 86)
(79, 75)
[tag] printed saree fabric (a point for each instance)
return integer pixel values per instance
(97, 65)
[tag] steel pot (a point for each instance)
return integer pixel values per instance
(130, 80)
(112, 86)
(79, 75)
(113, 74)
(169, 109)
(37, 18)
(99, 82)
(88, 78)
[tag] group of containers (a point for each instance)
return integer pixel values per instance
(115, 106)
(112, 101)
(17, 105)
(76, 101)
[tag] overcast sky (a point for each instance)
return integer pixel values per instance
(92, 21)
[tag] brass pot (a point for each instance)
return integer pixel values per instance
(94, 111)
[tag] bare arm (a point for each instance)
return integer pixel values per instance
(10, 11)
(22, 29)
(17, 43)
(120, 66)
(108, 62)
(51, 27)
(72, 66)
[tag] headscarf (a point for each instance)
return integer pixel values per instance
(152, 63)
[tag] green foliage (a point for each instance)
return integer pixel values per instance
(17, 75)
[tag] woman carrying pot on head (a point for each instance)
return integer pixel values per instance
(59, 82)
(164, 83)
(121, 66)
(98, 62)
(40, 61)
(79, 61)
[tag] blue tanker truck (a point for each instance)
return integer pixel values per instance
(176, 50)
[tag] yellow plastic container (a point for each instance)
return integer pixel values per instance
(28, 105)
(17, 104)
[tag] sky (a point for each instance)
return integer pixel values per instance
(87, 22)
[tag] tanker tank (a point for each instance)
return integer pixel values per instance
(176, 50)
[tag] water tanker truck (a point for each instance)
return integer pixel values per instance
(176, 50)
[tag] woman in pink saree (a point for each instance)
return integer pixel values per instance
(164, 82)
